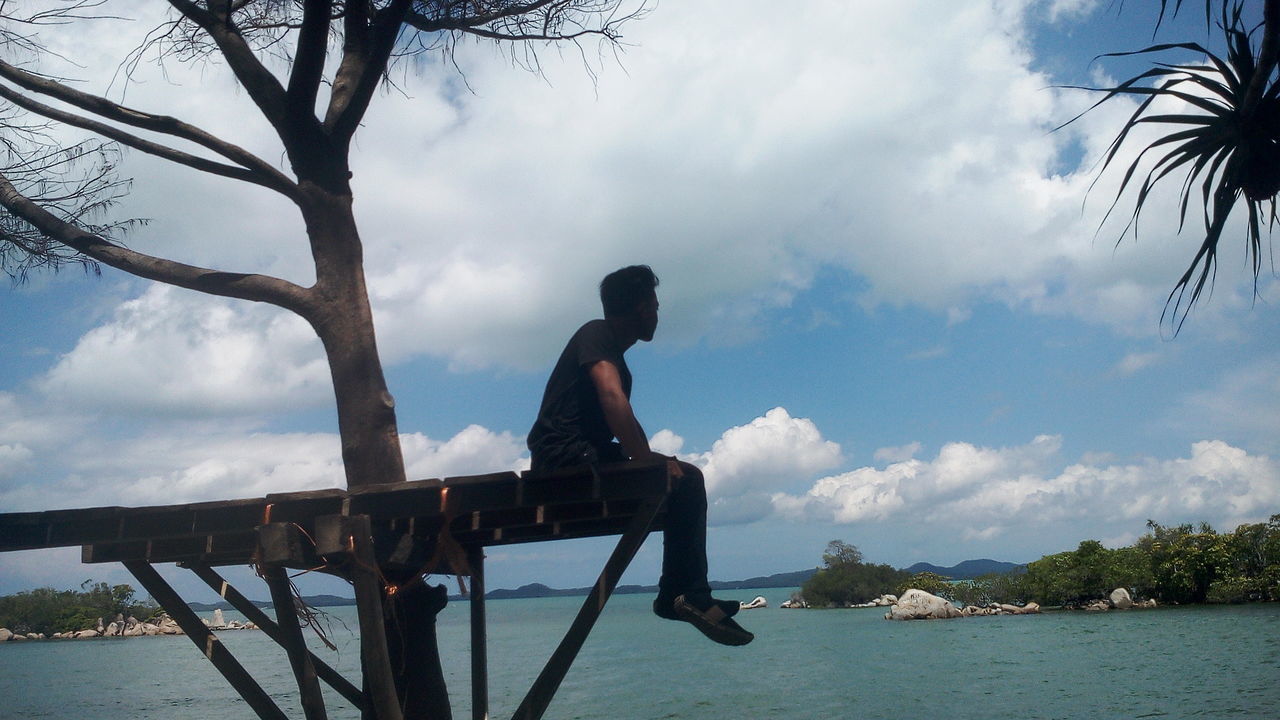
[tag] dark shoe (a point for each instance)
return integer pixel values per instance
(665, 608)
(712, 620)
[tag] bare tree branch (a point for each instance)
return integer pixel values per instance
(366, 52)
(266, 174)
(51, 174)
(262, 86)
(259, 288)
(308, 59)
(147, 146)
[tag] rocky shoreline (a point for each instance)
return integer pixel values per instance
(129, 627)
(920, 605)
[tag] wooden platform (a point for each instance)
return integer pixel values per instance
(409, 529)
(479, 510)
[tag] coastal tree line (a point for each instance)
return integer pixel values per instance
(49, 611)
(1173, 564)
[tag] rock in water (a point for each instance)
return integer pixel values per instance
(5, 634)
(919, 605)
(1120, 599)
(218, 620)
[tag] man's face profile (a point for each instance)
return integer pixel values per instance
(647, 318)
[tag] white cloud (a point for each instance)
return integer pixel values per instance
(981, 493)
(176, 352)
(1136, 361)
(748, 463)
(666, 442)
(1062, 9)
(189, 462)
(473, 451)
(727, 135)
(898, 454)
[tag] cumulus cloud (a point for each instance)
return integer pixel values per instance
(727, 133)
(475, 450)
(190, 462)
(981, 493)
(182, 353)
(749, 462)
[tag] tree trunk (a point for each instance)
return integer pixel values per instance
(343, 320)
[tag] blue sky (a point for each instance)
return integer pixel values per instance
(888, 316)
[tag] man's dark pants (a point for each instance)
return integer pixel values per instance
(684, 543)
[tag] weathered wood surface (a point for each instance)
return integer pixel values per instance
(493, 509)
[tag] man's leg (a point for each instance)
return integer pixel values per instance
(684, 543)
(683, 591)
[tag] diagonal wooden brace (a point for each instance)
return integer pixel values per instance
(291, 639)
(268, 626)
(204, 639)
(544, 688)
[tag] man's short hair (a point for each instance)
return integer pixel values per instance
(621, 290)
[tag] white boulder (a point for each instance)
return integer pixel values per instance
(1120, 599)
(758, 602)
(85, 634)
(5, 634)
(920, 605)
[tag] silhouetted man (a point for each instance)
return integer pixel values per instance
(586, 418)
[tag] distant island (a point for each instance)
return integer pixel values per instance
(965, 570)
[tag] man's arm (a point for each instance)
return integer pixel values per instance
(621, 418)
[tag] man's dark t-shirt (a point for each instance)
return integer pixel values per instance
(571, 428)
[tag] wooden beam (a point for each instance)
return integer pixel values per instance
(294, 643)
(216, 532)
(255, 615)
(479, 638)
(544, 688)
(205, 640)
(379, 680)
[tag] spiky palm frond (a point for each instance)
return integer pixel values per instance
(1229, 150)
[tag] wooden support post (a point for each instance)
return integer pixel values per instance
(374, 659)
(479, 638)
(208, 643)
(268, 626)
(294, 643)
(544, 688)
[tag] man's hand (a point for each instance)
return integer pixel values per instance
(673, 467)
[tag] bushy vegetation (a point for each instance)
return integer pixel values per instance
(49, 611)
(1172, 564)
(846, 580)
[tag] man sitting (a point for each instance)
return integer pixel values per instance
(587, 405)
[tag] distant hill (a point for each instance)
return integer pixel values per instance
(311, 600)
(532, 590)
(967, 570)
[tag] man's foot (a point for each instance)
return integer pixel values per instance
(712, 618)
(664, 606)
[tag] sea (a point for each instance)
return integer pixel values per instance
(1175, 662)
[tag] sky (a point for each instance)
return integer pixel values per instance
(892, 313)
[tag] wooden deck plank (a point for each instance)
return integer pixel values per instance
(496, 508)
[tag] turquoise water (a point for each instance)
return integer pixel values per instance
(1204, 662)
